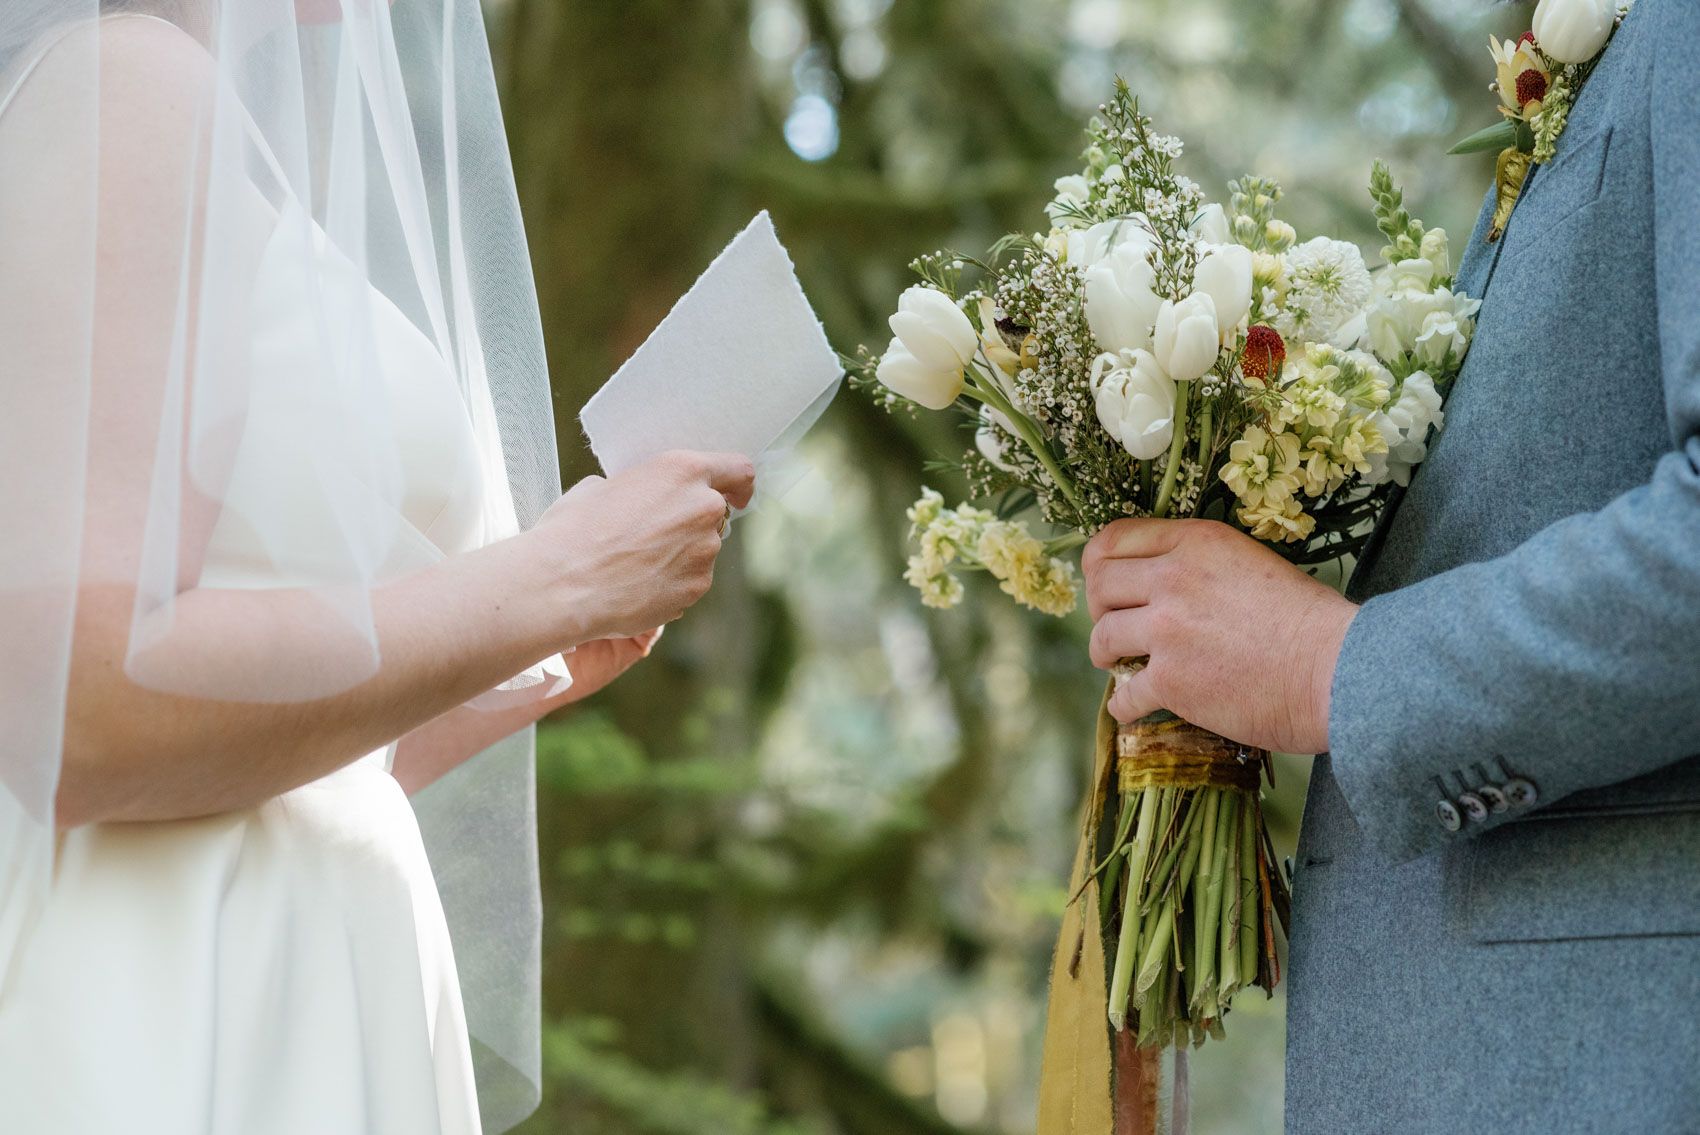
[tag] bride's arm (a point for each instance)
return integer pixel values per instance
(436, 747)
(609, 558)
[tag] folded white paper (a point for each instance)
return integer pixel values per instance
(740, 365)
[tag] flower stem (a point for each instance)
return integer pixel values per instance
(989, 394)
(1206, 435)
(1127, 944)
(1183, 391)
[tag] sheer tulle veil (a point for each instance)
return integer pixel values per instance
(357, 129)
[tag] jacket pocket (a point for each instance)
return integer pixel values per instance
(1556, 193)
(1605, 871)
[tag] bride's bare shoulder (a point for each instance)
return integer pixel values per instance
(142, 66)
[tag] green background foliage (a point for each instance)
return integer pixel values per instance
(802, 868)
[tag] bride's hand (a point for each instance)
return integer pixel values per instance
(634, 551)
(595, 664)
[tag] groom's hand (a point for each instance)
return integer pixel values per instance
(1238, 640)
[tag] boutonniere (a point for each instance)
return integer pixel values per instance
(1539, 77)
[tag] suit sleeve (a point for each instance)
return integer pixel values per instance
(1573, 661)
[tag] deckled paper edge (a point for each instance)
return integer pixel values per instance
(762, 220)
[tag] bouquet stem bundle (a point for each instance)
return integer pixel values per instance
(1188, 881)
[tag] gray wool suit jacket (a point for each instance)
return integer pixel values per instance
(1497, 890)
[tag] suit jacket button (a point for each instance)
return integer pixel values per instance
(1494, 796)
(1521, 793)
(1474, 806)
(1449, 817)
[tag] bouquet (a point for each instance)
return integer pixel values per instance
(1156, 354)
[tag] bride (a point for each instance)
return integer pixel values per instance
(282, 544)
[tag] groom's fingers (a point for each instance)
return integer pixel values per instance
(1115, 584)
(1133, 698)
(1135, 537)
(1121, 634)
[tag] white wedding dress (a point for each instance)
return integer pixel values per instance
(284, 970)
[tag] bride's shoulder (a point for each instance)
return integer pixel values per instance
(135, 91)
(147, 59)
(143, 65)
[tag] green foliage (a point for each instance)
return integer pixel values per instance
(583, 1054)
(588, 754)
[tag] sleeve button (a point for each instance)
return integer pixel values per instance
(1474, 806)
(1521, 793)
(1494, 796)
(1450, 819)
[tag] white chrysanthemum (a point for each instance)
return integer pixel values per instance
(1328, 284)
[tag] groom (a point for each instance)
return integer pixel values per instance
(1497, 890)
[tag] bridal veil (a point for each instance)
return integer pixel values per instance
(379, 125)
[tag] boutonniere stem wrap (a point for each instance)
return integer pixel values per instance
(1538, 77)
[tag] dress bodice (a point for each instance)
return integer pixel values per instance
(415, 478)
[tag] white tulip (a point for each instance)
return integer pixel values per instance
(1121, 298)
(1090, 246)
(1573, 31)
(1211, 225)
(904, 374)
(1186, 341)
(1135, 401)
(933, 328)
(934, 342)
(1224, 274)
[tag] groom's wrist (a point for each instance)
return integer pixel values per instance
(1327, 638)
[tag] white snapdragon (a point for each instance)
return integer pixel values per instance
(1409, 277)
(1446, 328)
(1404, 297)
(933, 343)
(1405, 427)
(1224, 273)
(1135, 402)
(1186, 338)
(1121, 300)
(1437, 250)
(1573, 31)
